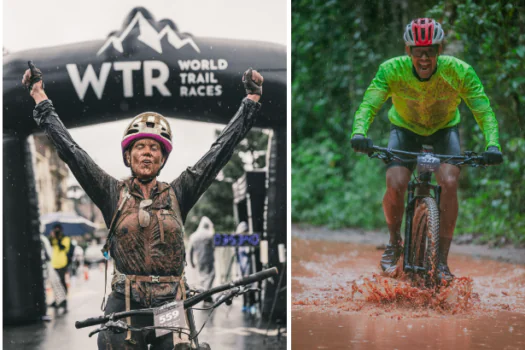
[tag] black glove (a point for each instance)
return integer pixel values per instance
(252, 88)
(361, 144)
(36, 75)
(492, 156)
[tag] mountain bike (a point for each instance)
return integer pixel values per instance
(169, 317)
(421, 247)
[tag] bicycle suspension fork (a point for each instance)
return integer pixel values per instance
(408, 224)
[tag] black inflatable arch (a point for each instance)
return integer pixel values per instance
(146, 65)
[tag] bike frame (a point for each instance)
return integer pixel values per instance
(419, 187)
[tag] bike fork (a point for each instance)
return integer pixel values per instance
(193, 330)
(409, 212)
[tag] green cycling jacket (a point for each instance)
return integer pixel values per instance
(425, 107)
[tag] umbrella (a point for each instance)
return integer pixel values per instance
(72, 224)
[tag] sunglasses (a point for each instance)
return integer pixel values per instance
(144, 215)
(431, 51)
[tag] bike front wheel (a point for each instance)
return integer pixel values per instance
(425, 237)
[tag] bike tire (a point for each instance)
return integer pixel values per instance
(425, 237)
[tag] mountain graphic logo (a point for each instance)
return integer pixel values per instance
(149, 36)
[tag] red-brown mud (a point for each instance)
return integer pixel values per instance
(340, 301)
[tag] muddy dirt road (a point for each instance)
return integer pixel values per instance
(484, 310)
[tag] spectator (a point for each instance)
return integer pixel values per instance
(61, 245)
(201, 245)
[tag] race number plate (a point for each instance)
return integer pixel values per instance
(427, 163)
(169, 315)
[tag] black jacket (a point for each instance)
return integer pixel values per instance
(102, 188)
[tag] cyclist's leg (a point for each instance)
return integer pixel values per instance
(397, 178)
(109, 341)
(448, 178)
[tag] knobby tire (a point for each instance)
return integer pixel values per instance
(425, 237)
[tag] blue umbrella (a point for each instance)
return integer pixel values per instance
(72, 224)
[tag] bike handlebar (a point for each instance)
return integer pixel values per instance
(92, 321)
(256, 277)
(468, 156)
(259, 276)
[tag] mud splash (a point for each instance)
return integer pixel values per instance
(380, 294)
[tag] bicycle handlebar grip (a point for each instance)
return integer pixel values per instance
(91, 322)
(259, 276)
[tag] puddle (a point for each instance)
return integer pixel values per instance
(340, 300)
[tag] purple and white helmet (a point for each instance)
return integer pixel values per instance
(148, 125)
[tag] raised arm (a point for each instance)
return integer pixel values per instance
(99, 186)
(192, 183)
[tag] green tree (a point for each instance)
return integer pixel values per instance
(337, 47)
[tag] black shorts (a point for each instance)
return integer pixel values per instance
(444, 141)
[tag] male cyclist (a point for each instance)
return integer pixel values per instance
(426, 89)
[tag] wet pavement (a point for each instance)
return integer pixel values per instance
(486, 309)
(228, 328)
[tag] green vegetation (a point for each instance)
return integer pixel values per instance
(337, 47)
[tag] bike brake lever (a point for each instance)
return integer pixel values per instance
(117, 326)
(249, 290)
(196, 291)
(97, 330)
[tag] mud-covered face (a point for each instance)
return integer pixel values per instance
(145, 158)
(424, 59)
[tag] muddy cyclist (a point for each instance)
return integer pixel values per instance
(426, 89)
(145, 216)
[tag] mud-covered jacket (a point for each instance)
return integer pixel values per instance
(157, 249)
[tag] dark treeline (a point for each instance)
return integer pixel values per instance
(337, 47)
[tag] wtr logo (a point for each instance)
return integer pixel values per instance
(149, 36)
(196, 74)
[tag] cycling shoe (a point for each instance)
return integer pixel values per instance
(391, 257)
(444, 273)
